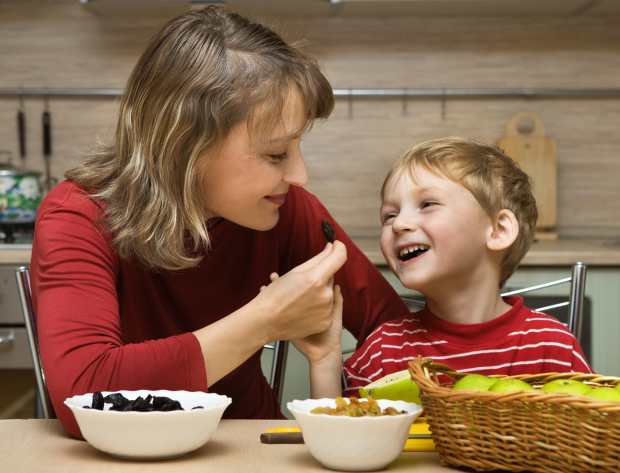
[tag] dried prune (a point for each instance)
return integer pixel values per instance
(163, 403)
(328, 231)
(98, 401)
(138, 404)
(148, 404)
(117, 400)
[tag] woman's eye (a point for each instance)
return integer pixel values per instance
(279, 157)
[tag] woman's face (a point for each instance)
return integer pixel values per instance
(246, 185)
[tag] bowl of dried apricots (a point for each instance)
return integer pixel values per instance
(354, 434)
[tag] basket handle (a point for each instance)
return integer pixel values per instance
(416, 370)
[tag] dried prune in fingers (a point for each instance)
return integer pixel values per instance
(98, 401)
(328, 231)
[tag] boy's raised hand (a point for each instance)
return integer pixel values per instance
(325, 346)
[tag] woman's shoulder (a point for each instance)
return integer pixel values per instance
(70, 197)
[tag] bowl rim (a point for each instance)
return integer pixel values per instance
(416, 411)
(224, 401)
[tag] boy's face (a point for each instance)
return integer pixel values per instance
(434, 234)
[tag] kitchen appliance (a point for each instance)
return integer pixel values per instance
(20, 197)
(17, 378)
(526, 143)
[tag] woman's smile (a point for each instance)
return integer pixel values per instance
(277, 199)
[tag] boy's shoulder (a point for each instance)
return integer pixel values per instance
(535, 320)
(397, 326)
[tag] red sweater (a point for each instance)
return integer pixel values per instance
(106, 324)
(521, 341)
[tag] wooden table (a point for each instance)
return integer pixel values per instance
(42, 445)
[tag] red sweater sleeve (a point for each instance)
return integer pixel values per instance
(74, 277)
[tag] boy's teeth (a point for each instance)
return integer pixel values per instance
(412, 251)
(413, 248)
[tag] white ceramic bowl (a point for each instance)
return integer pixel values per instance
(354, 443)
(150, 435)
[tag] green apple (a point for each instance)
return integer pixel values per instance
(504, 385)
(569, 386)
(475, 382)
(604, 394)
(395, 387)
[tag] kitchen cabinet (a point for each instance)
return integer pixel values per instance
(17, 380)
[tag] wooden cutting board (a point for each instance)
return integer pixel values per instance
(526, 143)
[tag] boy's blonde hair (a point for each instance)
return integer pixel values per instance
(203, 73)
(494, 179)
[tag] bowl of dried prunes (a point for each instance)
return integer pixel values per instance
(148, 425)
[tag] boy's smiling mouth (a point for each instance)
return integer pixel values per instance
(410, 252)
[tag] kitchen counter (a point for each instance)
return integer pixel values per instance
(542, 253)
(43, 445)
(560, 252)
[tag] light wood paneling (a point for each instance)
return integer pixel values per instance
(61, 44)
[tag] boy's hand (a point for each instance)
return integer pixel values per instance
(325, 347)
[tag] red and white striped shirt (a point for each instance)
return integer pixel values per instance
(521, 341)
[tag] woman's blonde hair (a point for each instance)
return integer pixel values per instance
(493, 178)
(203, 73)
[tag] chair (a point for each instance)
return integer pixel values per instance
(278, 367)
(577, 282)
(574, 302)
(44, 408)
(575, 312)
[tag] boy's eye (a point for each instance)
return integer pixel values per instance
(427, 203)
(387, 217)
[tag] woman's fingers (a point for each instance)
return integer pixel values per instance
(333, 261)
(312, 262)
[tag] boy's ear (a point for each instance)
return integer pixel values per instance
(505, 231)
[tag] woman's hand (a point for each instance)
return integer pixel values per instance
(295, 305)
(300, 303)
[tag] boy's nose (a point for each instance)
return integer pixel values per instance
(402, 224)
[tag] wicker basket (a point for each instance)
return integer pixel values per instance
(522, 430)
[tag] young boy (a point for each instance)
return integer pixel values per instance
(458, 216)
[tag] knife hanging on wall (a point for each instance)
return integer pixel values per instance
(21, 128)
(47, 144)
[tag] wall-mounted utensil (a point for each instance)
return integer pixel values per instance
(21, 127)
(47, 144)
(526, 143)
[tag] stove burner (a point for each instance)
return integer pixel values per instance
(12, 231)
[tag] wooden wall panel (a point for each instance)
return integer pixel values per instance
(62, 44)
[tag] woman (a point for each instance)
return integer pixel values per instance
(148, 261)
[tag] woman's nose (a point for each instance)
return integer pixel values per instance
(296, 173)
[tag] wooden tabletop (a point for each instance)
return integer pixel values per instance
(35, 445)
